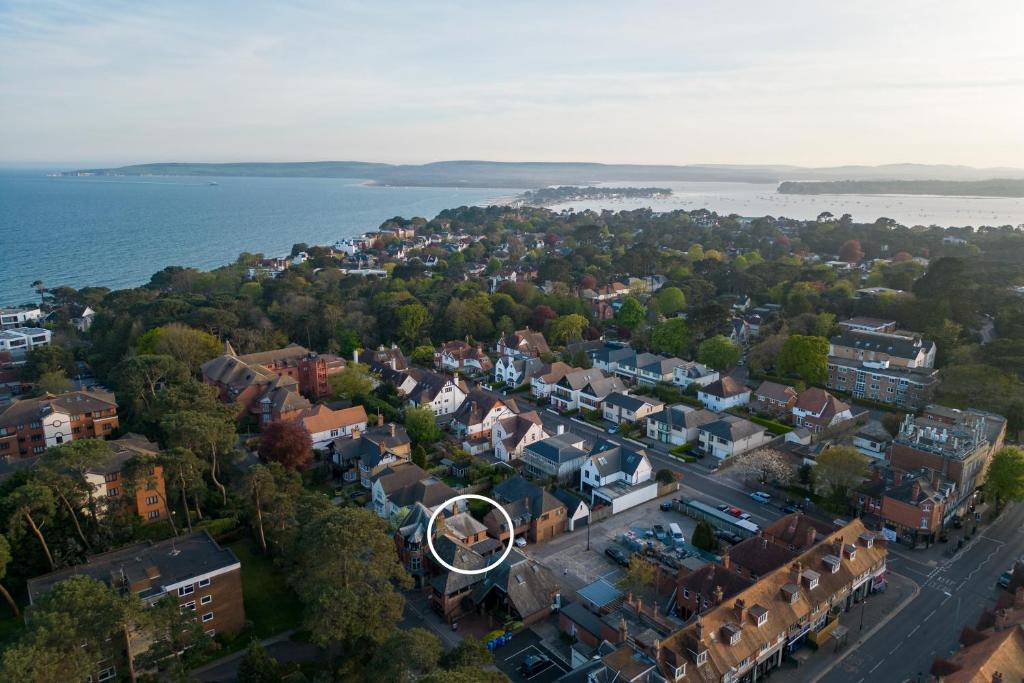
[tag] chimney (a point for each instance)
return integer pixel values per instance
(795, 570)
(726, 562)
(560, 429)
(837, 547)
(391, 429)
(356, 433)
(698, 628)
(997, 677)
(876, 474)
(1002, 619)
(915, 491)
(739, 609)
(1018, 597)
(897, 477)
(380, 419)
(623, 630)
(936, 481)
(355, 355)
(810, 536)
(639, 606)
(719, 595)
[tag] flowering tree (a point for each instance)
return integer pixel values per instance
(764, 464)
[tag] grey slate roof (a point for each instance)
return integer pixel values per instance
(891, 344)
(732, 428)
(558, 449)
(610, 458)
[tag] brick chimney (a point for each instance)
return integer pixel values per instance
(809, 537)
(915, 491)
(739, 610)
(795, 570)
(997, 677)
(698, 628)
(719, 595)
(1002, 619)
(623, 630)
(356, 433)
(837, 547)
(380, 419)
(726, 562)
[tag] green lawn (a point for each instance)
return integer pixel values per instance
(270, 604)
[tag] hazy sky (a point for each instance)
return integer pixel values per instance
(766, 81)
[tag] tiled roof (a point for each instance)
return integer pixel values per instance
(725, 388)
(320, 418)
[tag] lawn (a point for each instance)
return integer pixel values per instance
(270, 604)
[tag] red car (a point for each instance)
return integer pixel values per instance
(735, 512)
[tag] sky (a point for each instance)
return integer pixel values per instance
(814, 83)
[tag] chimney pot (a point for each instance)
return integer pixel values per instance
(726, 562)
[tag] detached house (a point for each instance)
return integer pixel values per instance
(816, 409)
(478, 413)
(523, 344)
(678, 424)
(584, 390)
(544, 381)
(648, 369)
(398, 488)
(774, 399)
(560, 456)
(617, 476)
(692, 372)
(366, 454)
(731, 435)
(724, 394)
(620, 408)
(511, 435)
(442, 394)
(325, 425)
(515, 372)
(462, 356)
(536, 514)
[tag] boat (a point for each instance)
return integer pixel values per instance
(213, 183)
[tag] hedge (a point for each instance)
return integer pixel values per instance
(771, 425)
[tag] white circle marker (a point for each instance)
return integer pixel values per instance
(467, 496)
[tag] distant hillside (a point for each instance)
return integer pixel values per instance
(530, 175)
(996, 187)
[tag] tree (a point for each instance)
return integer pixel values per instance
(209, 435)
(805, 357)
(718, 353)
(286, 443)
(764, 355)
(354, 380)
(260, 491)
(766, 465)
(53, 382)
(639, 575)
(5, 559)
(31, 505)
(703, 536)
(567, 328)
(183, 472)
(346, 574)
(259, 667)
(421, 424)
(665, 476)
(412, 318)
(670, 300)
(470, 652)
(1005, 478)
(419, 456)
(893, 422)
(630, 314)
(422, 355)
(672, 337)
(186, 345)
(840, 468)
(44, 359)
(138, 379)
(407, 655)
(464, 674)
(851, 251)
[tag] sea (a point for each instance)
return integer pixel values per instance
(117, 231)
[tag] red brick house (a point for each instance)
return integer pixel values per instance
(29, 426)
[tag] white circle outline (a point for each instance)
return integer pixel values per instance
(468, 496)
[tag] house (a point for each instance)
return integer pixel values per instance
(797, 532)
(617, 476)
(816, 410)
(729, 436)
(514, 372)
(898, 349)
(279, 400)
(647, 369)
(146, 494)
(747, 637)
(325, 425)
(442, 394)
(916, 506)
(366, 454)
(463, 357)
(536, 514)
(18, 341)
(711, 585)
(522, 344)
(82, 317)
(692, 372)
(191, 569)
(396, 489)
(475, 418)
(607, 357)
(879, 381)
(610, 292)
(772, 398)
(382, 358)
(739, 331)
(511, 435)
(584, 390)
(678, 424)
(576, 511)
(866, 324)
(29, 426)
(560, 457)
(460, 527)
(544, 381)
(620, 407)
(19, 317)
(723, 394)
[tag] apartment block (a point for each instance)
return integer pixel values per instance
(29, 426)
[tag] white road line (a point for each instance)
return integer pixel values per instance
(915, 629)
(894, 649)
(929, 615)
(877, 664)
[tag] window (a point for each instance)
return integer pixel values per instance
(186, 590)
(203, 583)
(153, 514)
(206, 600)
(189, 606)
(762, 619)
(151, 500)
(208, 617)
(112, 492)
(106, 674)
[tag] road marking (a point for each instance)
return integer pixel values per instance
(929, 615)
(877, 664)
(894, 649)
(915, 629)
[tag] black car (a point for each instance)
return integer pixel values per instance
(534, 664)
(618, 556)
(666, 505)
(727, 536)
(791, 508)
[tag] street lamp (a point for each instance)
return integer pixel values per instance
(863, 605)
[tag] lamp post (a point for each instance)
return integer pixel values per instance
(863, 605)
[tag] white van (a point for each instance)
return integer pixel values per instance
(677, 533)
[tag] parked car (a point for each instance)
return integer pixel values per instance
(520, 542)
(761, 497)
(534, 664)
(724, 508)
(659, 532)
(1005, 578)
(614, 429)
(735, 512)
(666, 505)
(791, 508)
(727, 536)
(744, 515)
(617, 556)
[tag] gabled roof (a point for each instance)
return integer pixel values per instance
(630, 402)
(682, 416)
(558, 449)
(320, 418)
(725, 387)
(732, 428)
(608, 458)
(70, 403)
(517, 489)
(777, 392)
(478, 404)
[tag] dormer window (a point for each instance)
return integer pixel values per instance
(832, 563)
(759, 614)
(810, 579)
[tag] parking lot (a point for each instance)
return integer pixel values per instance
(511, 657)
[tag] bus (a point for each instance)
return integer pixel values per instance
(695, 509)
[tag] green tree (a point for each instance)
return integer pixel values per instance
(259, 667)
(470, 652)
(186, 345)
(1005, 479)
(45, 359)
(419, 456)
(183, 474)
(412, 318)
(805, 357)
(421, 424)
(719, 353)
(354, 380)
(346, 575)
(406, 655)
(639, 575)
(631, 313)
(211, 436)
(31, 507)
(703, 536)
(138, 379)
(670, 300)
(53, 382)
(5, 560)
(665, 476)
(838, 469)
(567, 328)
(422, 355)
(672, 337)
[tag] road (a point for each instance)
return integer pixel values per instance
(953, 594)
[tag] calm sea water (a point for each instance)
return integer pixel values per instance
(748, 199)
(117, 232)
